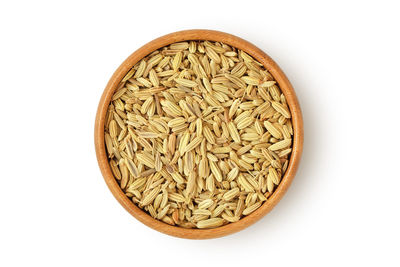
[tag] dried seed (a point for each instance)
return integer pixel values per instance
(281, 109)
(139, 72)
(115, 170)
(157, 163)
(177, 178)
(210, 223)
(191, 185)
(245, 122)
(208, 135)
(250, 80)
(231, 194)
(233, 174)
(273, 175)
(176, 122)
(176, 62)
(194, 143)
(202, 212)
(252, 208)
(280, 145)
(205, 204)
(272, 130)
(151, 196)
(233, 132)
(186, 82)
(145, 159)
(215, 171)
(132, 167)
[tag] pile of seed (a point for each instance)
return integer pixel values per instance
(198, 134)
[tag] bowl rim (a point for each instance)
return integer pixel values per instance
(286, 88)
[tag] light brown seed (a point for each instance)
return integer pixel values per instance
(213, 55)
(115, 170)
(186, 82)
(151, 196)
(157, 162)
(184, 142)
(245, 122)
(233, 174)
(177, 178)
(132, 167)
(113, 128)
(233, 132)
(273, 175)
(202, 212)
(171, 143)
(281, 109)
(272, 130)
(252, 208)
(250, 80)
(137, 184)
(176, 122)
(177, 61)
(210, 223)
(270, 184)
(139, 72)
(215, 171)
(208, 135)
(145, 159)
(191, 185)
(194, 143)
(231, 194)
(205, 204)
(280, 145)
(176, 197)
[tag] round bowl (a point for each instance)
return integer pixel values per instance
(282, 81)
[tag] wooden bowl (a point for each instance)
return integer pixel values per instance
(286, 88)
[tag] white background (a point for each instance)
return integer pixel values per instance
(343, 60)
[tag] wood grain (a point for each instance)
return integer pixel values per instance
(286, 88)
